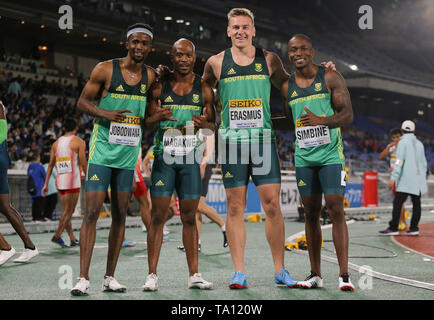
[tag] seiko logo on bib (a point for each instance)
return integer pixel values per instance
(246, 113)
(126, 132)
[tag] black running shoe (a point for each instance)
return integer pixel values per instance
(225, 240)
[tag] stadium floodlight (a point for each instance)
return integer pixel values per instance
(179, 21)
(187, 23)
(168, 18)
(354, 67)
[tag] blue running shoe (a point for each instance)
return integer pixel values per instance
(284, 278)
(165, 238)
(128, 243)
(239, 281)
(74, 243)
(59, 241)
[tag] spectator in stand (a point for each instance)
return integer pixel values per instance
(14, 87)
(13, 154)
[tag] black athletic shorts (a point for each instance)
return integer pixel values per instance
(205, 180)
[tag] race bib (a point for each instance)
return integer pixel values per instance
(246, 114)
(343, 178)
(63, 165)
(177, 144)
(127, 132)
(312, 136)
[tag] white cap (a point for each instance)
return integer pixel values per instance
(408, 125)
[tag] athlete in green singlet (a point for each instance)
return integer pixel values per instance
(318, 103)
(244, 74)
(113, 146)
(176, 166)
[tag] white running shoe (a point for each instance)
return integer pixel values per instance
(110, 284)
(166, 231)
(311, 282)
(151, 283)
(81, 288)
(27, 255)
(197, 282)
(5, 255)
(144, 228)
(345, 283)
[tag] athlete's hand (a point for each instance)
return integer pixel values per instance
(44, 190)
(116, 115)
(202, 169)
(309, 119)
(391, 183)
(202, 120)
(390, 145)
(165, 113)
(162, 71)
(329, 65)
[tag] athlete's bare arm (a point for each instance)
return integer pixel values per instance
(154, 112)
(100, 79)
(287, 109)
(82, 154)
(211, 72)
(145, 164)
(152, 76)
(2, 111)
(51, 165)
(207, 119)
(278, 74)
(341, 103)
(386, 151)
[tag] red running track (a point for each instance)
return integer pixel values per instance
(423, 243)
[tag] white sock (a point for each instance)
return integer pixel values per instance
(223, 228)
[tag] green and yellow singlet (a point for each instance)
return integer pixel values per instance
(117, 144)
(315, 145)
(245, 97)
(173, 137)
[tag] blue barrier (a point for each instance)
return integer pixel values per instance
(353, 193)
(216, 198)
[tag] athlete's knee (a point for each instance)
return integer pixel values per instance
(120, 216)
(272, 208)
(4, 209)
(201, 207)
(311, 217)
(312, 212)
(236, 207)
(335, 211)
(188, 217)
(91, 215)
(157, 217)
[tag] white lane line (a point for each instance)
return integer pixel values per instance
(301, 233)
(410, 249)
(375, 274)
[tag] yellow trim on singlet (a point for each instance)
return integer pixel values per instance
(95, 135)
